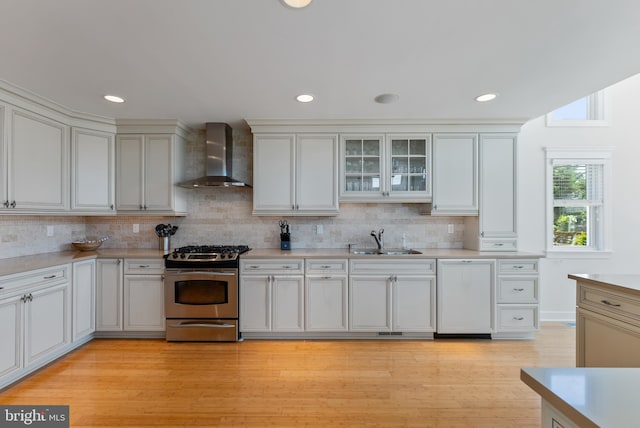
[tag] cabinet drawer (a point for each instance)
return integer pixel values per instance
(517, 317)
(322, 266)
(518, 289)
(512, 266)
(498, 244)
(273, 266)
(47, 276)
(393, 266)
(608, 303)
(143, 266)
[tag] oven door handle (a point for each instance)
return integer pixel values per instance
(201, 324)
(191, 272)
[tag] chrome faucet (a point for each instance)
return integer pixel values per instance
(378, 237)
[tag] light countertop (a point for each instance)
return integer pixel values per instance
(620, 282)
(427, 253)
(44, 260)
(37, 261)
(590, 397)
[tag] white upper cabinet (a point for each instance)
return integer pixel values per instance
(92, 171)
(385, 167)
(498, 192)
(295, 174)
(495, 228)
(148, 166)
(36, 164)
(455, 174)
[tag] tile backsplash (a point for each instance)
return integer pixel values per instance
(223, 216)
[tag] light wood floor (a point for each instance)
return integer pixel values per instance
(442, 383)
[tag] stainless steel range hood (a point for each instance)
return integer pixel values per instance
(219, 172)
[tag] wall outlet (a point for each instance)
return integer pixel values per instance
(49, 230)
(450, 228)
(319, 229)
(136, 228)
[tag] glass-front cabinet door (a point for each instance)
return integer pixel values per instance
(386, 168)
(362, 165)
(410, 160)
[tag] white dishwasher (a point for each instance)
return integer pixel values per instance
(465, 296)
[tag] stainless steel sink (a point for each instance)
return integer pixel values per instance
(383, 252)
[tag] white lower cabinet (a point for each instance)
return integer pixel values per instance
(144, 303)
(326, 295)
(392, 296)
(517, 303)
(35, 320)
(465, 296)
(130, 297)
(370, 303)
(109, 295)
(83, 287)
(272, 295)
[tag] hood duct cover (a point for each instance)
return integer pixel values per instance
(219, 159)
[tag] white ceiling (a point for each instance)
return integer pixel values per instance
(228, 60)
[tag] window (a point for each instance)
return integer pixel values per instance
(587, 111)
(578, 202)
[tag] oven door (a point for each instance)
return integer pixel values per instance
(201, 294)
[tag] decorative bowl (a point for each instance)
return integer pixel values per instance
(88, 244)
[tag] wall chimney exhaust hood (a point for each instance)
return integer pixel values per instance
(219, 169)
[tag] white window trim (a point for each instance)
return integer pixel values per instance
(599, 101)
(579, 154)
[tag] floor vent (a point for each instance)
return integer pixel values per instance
(389, 333)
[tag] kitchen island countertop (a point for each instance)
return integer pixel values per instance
(629, 283)
(589, 397)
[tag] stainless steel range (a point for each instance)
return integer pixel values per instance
(201, 293)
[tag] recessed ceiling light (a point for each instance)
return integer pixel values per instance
(486, 97)
(304, 98)
(114, 98)
(296, 4)
(386, 98)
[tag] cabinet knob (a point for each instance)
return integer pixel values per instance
(6, 204)
(13, 204)
(111, 207)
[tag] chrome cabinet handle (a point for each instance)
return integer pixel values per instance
(325, 266)
(518, 267)
(498, 244)
(518, 289)
(606, 302)
(143, 266)
(518, 318)
(49, 277)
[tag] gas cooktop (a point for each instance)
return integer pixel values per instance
(197, 255)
